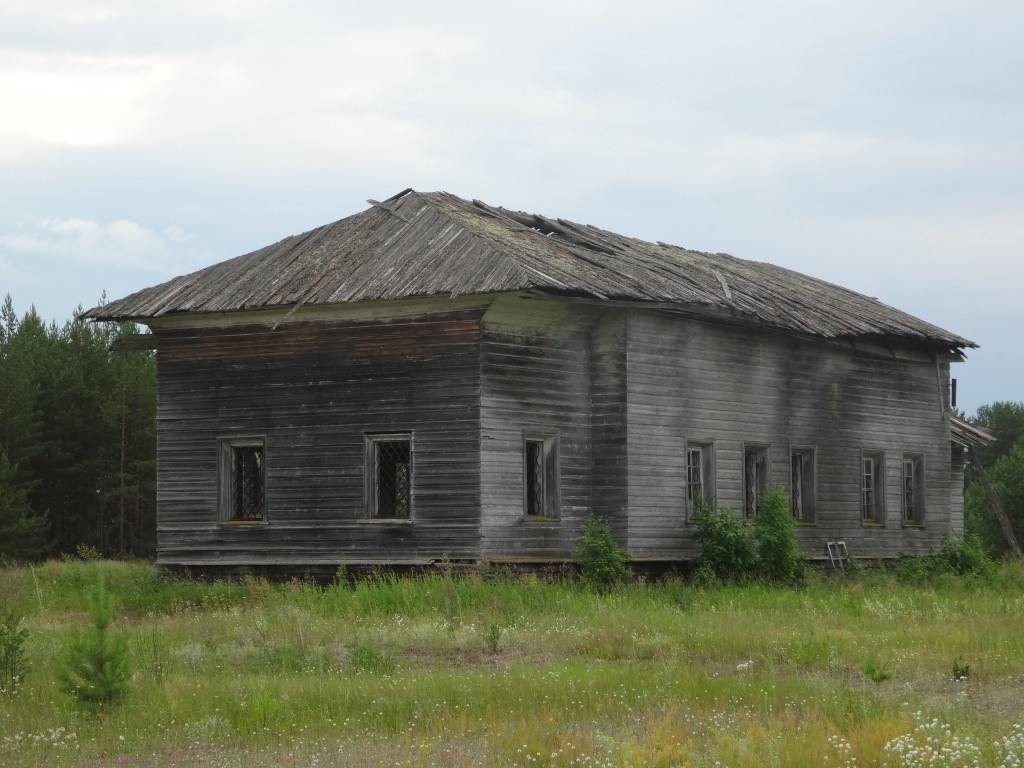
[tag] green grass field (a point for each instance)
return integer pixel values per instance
(465, 671)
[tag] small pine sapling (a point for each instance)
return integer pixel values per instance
(94, 667)
(13, 664)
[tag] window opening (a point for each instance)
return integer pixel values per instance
(913, 489)
(390, 479)
(243, 480)
(247, 488)
(694, 477)
(755, 478)
(700, 475)
(535, 478)
(801, 485)
(540, 476)
(872, 489)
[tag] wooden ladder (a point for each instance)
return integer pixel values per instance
(837, 554)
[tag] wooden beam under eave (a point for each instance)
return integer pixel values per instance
(134, 342)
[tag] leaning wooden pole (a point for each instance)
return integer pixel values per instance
(997, 507)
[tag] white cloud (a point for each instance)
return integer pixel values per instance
(76, 101)
(120, 243)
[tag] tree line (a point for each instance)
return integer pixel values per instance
(77, 439)
(78, 445)
(1003, 462)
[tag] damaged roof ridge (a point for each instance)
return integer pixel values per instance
(499, 214)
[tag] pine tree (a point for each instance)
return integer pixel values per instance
(22, 532)
(94, 668)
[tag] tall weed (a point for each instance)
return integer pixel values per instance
(778, 558)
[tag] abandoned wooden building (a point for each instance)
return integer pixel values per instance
(435, 378)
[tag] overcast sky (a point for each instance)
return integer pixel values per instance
(878, 145)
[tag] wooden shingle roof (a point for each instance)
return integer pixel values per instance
(436, 244)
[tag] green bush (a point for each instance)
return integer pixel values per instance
(94, 668)
(603, 563)
(964, 554)
(368, 658)
(726, 547)
(960, 555)
(778, 557)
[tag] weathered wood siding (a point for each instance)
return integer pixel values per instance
(313, 390)
(535, 379)
(622, 390)
(956, 488)
(691, 380)
(610, 450)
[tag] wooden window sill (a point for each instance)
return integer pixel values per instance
(387, 520)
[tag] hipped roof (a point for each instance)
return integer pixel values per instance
(436, 244)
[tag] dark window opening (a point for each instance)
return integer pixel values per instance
(535, 478)
(540, 477)
(755, 478)
(872, 488)
(391, 477)
(694, 477)
(247, 488)
(700, 476)
(913, 490)
(243, 480)
(801, 485)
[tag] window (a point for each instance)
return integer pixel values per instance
(700, 475)
(872, 487)
(755, 478)
(540, 476)
(802, 484)
(389, 476)
(243, 480)
(913, 489)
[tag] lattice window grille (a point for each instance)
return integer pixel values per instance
(393, 478)
(247, 490)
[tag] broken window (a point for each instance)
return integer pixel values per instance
(802, 484)
(872, 487)
(389, 476)
(540, 476)
(913, 489)
(755, 478)
(243, 480)
(700, 476)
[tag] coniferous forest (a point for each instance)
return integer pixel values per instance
(77, 439)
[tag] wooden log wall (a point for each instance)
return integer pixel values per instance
(703, 381)
(536, 373)
(624, 391)
(957, 460)
(610, 451)
(312, 391)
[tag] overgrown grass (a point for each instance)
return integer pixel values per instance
(462, 671)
